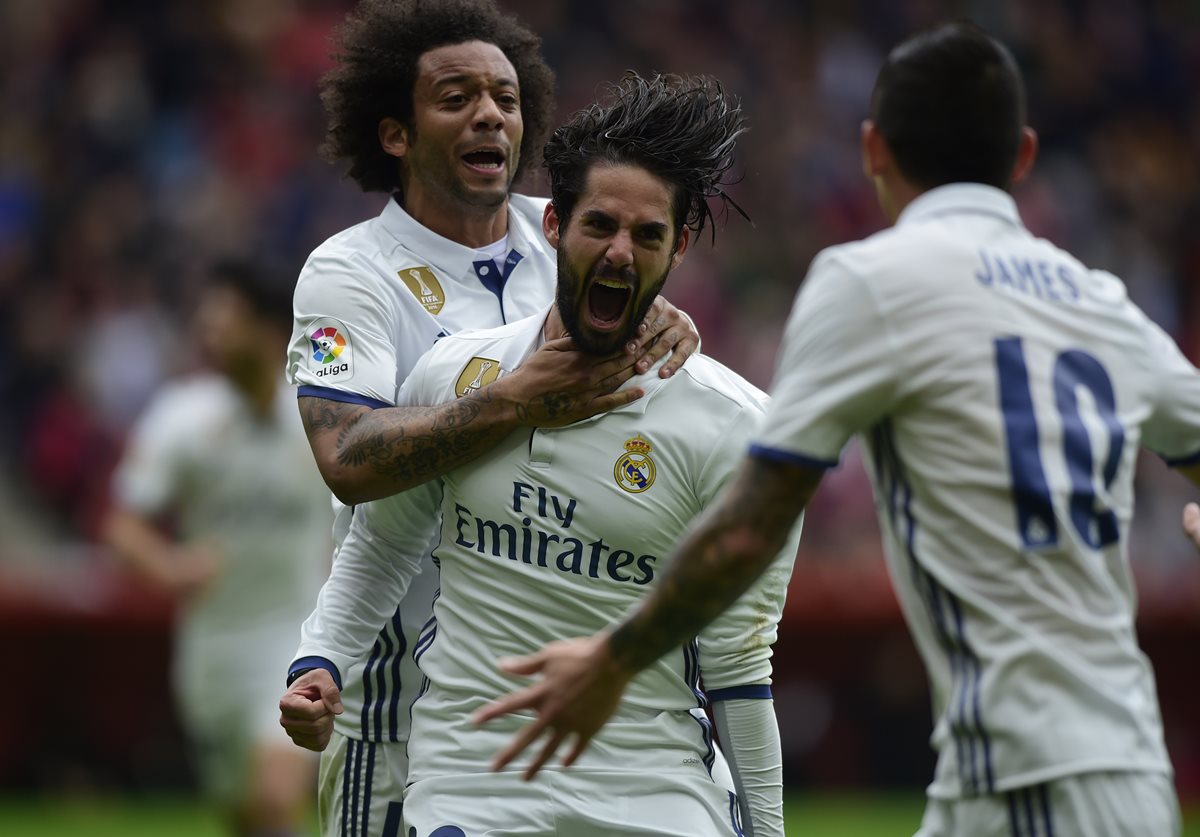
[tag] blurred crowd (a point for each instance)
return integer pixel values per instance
(141, 139)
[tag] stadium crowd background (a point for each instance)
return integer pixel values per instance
(141, 140)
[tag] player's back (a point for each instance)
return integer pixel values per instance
(1021, 385)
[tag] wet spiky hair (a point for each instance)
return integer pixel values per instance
(377, 49)
(682, 129)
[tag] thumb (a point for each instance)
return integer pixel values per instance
(332, 697)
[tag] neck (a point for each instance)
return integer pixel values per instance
(895, 194)
(554, 328)
(470, 226)
(257, 381)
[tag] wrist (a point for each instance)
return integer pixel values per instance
(501, 402)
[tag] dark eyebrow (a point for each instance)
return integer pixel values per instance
(463, 78)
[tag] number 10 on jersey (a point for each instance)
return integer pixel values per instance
(1073, 369)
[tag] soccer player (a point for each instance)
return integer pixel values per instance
(438, 104)
(222, 456)
(1002, 390)
(558, 529)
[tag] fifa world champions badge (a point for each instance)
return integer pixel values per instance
(479, 372)
(424, 286)
(634, 470)
(330, 350)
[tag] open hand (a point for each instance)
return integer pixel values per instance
(665, 329)
(579, 691)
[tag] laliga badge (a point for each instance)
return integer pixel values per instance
(424, 286)
(331, 354)
(479, 372)
(634, 470)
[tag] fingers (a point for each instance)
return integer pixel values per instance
(331, 696)
(545, 755)
(525, 699)
(684, 349)
(524, 738)
(581, 743)
(1191, 522)
(525, 666)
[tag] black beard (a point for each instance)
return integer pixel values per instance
(568, 298)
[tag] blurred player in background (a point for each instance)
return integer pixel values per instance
(440, 105)
(546, 536)
(1002, 390)
(219, 505)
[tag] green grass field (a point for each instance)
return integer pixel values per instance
(849, 815)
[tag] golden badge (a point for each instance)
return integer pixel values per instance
(425, 287)
(634, 470)
(479, 372)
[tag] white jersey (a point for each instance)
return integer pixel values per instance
(248, 486)
(369, 302)
(553, 534)
(1002, 390)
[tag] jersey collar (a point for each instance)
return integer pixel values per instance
(420, 239)
(959, 198)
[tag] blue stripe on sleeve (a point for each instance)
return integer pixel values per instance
(308, 664)
(749, 692)
(329, 394)
(777, 455)
(1183, 461)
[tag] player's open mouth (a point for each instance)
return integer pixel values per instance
(485, 160)
(607, 300)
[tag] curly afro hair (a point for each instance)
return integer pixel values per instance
(682, 129)
(376, 51)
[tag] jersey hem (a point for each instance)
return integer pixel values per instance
(1050, 774)
(330, 394)
(777, 455)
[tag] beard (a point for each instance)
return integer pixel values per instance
(569, 297)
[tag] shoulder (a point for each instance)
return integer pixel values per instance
(528, 208)
(354, 252)
(194, 400)
(718, 387)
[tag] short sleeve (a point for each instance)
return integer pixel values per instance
(1173, 428)
(838, 368)
(342, 332)
(148, 477)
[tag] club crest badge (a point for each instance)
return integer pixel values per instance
(424, 286)
(635, 469)
(479, 372)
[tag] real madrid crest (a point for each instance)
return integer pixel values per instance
(634, 470)
(425, 287)
(479, 372)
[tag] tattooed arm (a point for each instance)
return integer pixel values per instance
(723, 552)
(366, 454)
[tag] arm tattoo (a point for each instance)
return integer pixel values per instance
(415, 444)
(731, 545)
(323, 414)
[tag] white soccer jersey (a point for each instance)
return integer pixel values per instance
(247, 485)
(369, 302)
(553, 534)
(1002, 390)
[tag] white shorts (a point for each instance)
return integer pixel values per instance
(570, 802)
(360, 790)
(228, 701)
(1084, 805)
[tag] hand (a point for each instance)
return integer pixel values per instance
(1191, 522)
(579, 690)
(307, 708)
(559, 385)
(665, 329)
(187, 570)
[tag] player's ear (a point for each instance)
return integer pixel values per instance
(550, 224)
(393, 136)
(1027, 149)
(681, 245)
(874, 150)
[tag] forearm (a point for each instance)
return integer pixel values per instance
(368, 454)
(720, 556)
(137, 544)
(750, 740)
